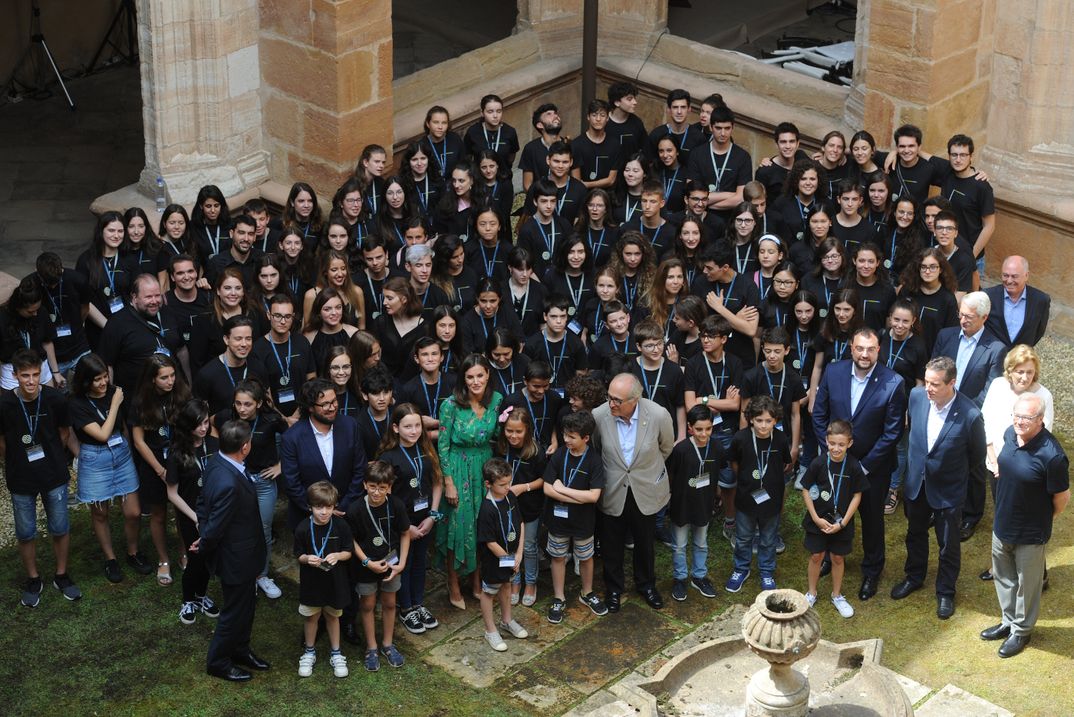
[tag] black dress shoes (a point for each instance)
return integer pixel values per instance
(966, 531)
(1013, 645)
(612, 602)
(945, 606)
(868, 588)
(232, 674)
(652, 597)
(350, 633)
(251, 660)
(996, 632)
(825, 567)
(903, 589)
(986, 574)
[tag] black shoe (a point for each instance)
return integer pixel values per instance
(556, 610)
(825, 567)
(996, 632)
(966, 531)
(867, 589)
(112, 571)
(251, 660)
(612, 602)
(986, 574)
(232, 674)
(350, 633)
(704, 586)
(652, 597)
(903, 589)
(945, 606)
(678, 590)
(139, 563)
(1013, 645)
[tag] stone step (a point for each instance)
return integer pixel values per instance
(953, 701)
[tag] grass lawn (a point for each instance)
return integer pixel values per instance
(121, 650)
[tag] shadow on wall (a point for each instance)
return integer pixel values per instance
(426, 32)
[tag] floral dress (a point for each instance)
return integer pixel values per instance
(465, 443)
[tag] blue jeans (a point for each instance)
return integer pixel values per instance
(746, 524)
(900, 467)
(727, 478)
(266, 505)
(698, 535)
(412, 585)
(981, 266)
(529, 554)
(25, 509)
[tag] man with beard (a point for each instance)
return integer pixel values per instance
(216, 380)
(241, 254)
(534, 162)
(139, 330)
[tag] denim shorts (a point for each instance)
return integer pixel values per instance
(105, 473)
(25, 509)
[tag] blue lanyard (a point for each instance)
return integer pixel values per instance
(293, 282)
(723, 168)
(563, 196)
(727, 292)
(629, 210)
(374, 420)
(494, 146)
(442, 161)
(110, 273)
(615, 346)
(434, 402)
(231, 376)
(319, 552)
(840, 350)
(771, 388)
(650, 391)
(837, 488)
(378, 301)
(803, 209)
(284, 371)
(376, 526)
(716, 380)
(417, 463)
(214, 242)
(576, 296)
(484, 326)
(490, 266)
(669, 184)
(595, 247)
(762, 465)
(741, 264)
(761, 286)
(548, 352)
(656, 235)
(510, 531)
(799, 346)
(893, 356)
(347, 404)
(549, 245)
(507, 390)
(31, 426)
(598, 325)
(533, 414)
(569, 476)
(685, 134)
(57, 301)
(630, 291)
(891, 256)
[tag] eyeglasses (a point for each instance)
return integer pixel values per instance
(745, 220)
(351, 200)
(615, 401)
(785, 282)
(1026, 419)
(930, 267)
(945, 228)
(958, 155)
(282, 317)
(698, 200)
(327, 404)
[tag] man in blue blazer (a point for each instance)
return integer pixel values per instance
(978, 357)
(1020, 314)
(322, 445)
(233, 544)
(870, 396)
(947, 438)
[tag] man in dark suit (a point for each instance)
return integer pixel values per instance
(1021, 311)
(947, 439)
(978, 357)
(233, 544)
(872, 398)
(322, 445)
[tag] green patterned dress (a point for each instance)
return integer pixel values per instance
(465, 443)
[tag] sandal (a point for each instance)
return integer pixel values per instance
(164, 579)
(892, 502)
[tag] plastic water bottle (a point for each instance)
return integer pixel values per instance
(161, 195)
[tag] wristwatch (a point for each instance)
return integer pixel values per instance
(365, 562)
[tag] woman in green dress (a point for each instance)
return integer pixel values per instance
(468, 423)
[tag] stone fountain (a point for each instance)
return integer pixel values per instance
(781, 628)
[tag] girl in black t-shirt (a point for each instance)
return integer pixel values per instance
(189, 454)
(595, 225)
(140, 244)
(519, 448)
(174, 232)
(444, 327)
(805, 335)
(339, 369)
(210, 223)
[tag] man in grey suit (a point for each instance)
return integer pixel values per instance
(634, 435)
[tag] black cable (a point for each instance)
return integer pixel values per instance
(651, 50)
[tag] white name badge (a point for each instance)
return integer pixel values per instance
(507, 561)
(561, 392)
(115, 440)
(35, 453)
(760, 496)
(287, 396)
(702, 482)
(115, 305)
(392, 558)
(162, 350)
(420, 504)
(560, 511)
(779, 426)
(717, 419)
(63, 331)
(575, 326)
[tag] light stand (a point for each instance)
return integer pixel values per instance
(124, 18)
(38, 44)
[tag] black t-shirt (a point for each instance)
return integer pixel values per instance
(685, 141)
(267, 427)
(534, 158)
(935, 311)
(475, 330)
(875, 300)
(566, 356)
(84, 411)
(186, 314)
(693, 472)
(413, 480)
(770, 454)
(187, 476)
(786, 387)
(579, 289)
(972, 200)
(370, 429)
(446, 153)
(916, 180)
(284, 368)
(594, 159)
(662, 237)
(503, 141)
(629, 135)
(831, 487)
(706, 378)
(107, 280)
(318, 587)
(528, 306)
(377, 530)
(964, 265)
(543, 413)
(583, 472)
(793, 217)
(497, 522)
(720, 172)
(130, 338)
(664, 386)
(138, 261)
(738, 293)
(63, 306)
(541, 240)
(1029, 476)
(674, 181)
(35, 460)
(855, 236)
(803, 354)
(210, 240)
(215, 382)
(483, 261)
(463, 286)
(508, 380)
(428, 397)
(906, 358)
(17, 333)
(524, 471)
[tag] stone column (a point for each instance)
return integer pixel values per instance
(326, 68)
(200, 80)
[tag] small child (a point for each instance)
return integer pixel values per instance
(693, 467)
(381, 541)
(760, 457)
(500, 536)
(321, 544)
(573, 481)
(831, 491)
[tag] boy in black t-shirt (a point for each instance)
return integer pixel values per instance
(562, 349)
(693, 467)
(595, 157)
(542, 405)
(381, 531)
(321, 544)
(831, 491)
(760, 458)
(573, 481)
(500, 536)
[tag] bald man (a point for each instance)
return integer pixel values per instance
(634, 436)
(1019, 311)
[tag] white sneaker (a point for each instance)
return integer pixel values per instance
(496, 642)
(306, 663)
(515, 629)
(811, 598)
(842, 606)
(266, 585)
(339, 665)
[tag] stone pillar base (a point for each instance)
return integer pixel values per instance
(779, 691)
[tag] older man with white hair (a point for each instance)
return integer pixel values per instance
(634, 436)
(1025, 309)
(1033, 488)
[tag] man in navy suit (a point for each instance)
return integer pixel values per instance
(1021, 311)
(233, 544)
(322, 445)
(872, 398)
(978, 357)
(947, 439)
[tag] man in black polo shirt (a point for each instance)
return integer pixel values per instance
(35, 427)
(283, 358)
(241, 254)
(533, 162)
(138, 331)
(185, 302)
(216, 380)
(730, 295)
(722, 167)
(1032, 489)
(685, 135)
(595, 157)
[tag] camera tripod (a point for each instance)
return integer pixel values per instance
(124, 19)
(33, 54)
